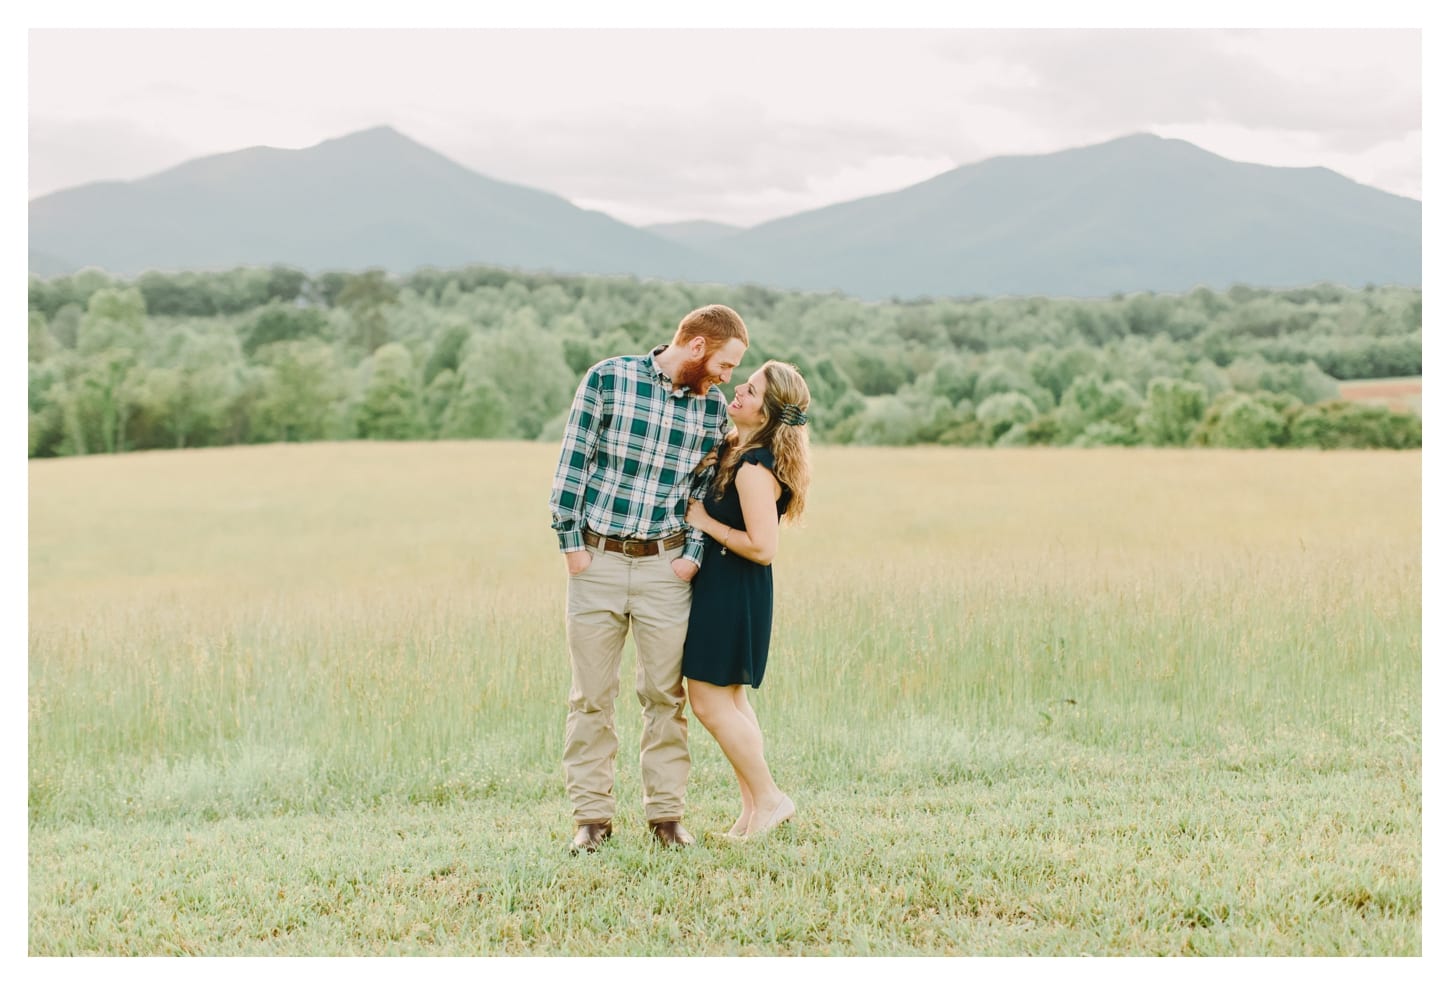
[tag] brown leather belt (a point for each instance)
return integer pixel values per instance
(635, 548)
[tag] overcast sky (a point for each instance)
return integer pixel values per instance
(735, 126)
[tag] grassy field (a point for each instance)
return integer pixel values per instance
(309, 700)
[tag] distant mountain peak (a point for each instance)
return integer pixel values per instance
(1140, 143)
(1138, 212)
(371, 198)
(383, 132)
(1140, 137)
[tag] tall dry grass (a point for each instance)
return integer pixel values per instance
(293, 626)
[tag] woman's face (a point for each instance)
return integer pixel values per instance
(748, 407)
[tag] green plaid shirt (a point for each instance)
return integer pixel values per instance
(630, 444)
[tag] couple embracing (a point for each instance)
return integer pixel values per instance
(667, 502)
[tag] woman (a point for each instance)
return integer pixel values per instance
(761, 475)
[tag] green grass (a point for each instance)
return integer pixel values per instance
(309, 700)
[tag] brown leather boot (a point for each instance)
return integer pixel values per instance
(671, 834)
(590, 835)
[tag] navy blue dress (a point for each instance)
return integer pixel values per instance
(729, 632)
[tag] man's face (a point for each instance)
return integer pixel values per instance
(710, 368)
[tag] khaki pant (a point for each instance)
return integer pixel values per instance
(609, 597)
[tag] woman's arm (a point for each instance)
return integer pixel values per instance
(758, 490)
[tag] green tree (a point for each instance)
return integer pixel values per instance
(437, 395)
(104, 391)
(279, 322)
(526, 367)
(391, 408)
(114, 318)
(1171, 411)
(1001, 411)
(285, 283)
(1054, 369)
(827, 382)
(184, 293)
(1100, 434)
(477, 408)
(42, 345)
(1240, 420)
(1006, 372)
(446, 349)
(163, 402)
(184, 396)
(874, 371)
(49, 296)
(843, 419)
(47, 421)
(303, 397)
(1304, 380)
(1343, 424)
(887, 421)
(65, 325)
(366, 297)
(1209, 375)
(1090, 399)
(953, 377)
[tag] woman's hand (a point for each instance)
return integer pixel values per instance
(696, 516)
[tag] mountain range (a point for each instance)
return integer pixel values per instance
(1137, 213)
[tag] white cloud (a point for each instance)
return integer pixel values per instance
(1291, 80)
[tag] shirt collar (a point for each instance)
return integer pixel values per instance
(661, 375)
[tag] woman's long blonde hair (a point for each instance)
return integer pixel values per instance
(786, 394)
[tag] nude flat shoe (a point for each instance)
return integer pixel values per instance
(784, 811)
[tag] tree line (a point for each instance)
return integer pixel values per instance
(184, 360)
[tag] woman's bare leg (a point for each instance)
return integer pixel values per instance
(747, 807)
(739, 736)
(742, 823)
(770, 814)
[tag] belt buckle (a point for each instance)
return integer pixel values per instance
(633, 548)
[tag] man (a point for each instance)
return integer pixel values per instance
(637, 428)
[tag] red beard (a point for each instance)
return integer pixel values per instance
(694, 376)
